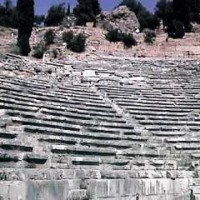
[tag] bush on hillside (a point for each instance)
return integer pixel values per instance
(49, 37)
(14, 49)
(67, 36)
(149, 36)
(114, 35)
(176, 29)
(39, 50)
(128, 40)
(77, 43)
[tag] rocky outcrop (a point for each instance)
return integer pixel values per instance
(120, 18)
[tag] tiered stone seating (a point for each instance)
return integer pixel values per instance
(131, 134)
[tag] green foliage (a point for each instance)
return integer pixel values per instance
(39, 50)
(49, 37)
(8, 14)
(25, 11)
(128, 40)
(55, 15)
(14, 49)
(114, 35)
(77, 43)
(149, 36)
(86, 11)
(178, 15)
(67, 36)
(39, 19)
(176, 29)
(145, 18)
(55, 53)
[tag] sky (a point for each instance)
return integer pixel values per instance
(41, 6)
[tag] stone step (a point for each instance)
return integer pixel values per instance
(194, 128)
(18, 107)
(139, 101)
(166, 123)
(113, 144)
(144, 117)
(8, 157)
(86, 161)
(82, 94)
(158, 106)
(86, 117)
(95, 136)
(142, 153)
(35, 158)
(180, 140)
(25, 84)
(157, 113)
(42, 123)
(79, 194)
(163, 128)
(61, 149)
(6, 134)
(55, 100)
(158, 110)
(102, 130)
(169, 134)
(15, 147)
(182, 147)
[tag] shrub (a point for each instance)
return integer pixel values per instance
(14, 49)
(67, 36)
(176, 29)
(55, 15)
(128, 40)
(77, 43)
(49, 37)
(149, 36)
(55, 53)
(39, 50)
(114, 36)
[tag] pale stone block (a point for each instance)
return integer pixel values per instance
(51, 190)
(98, 188)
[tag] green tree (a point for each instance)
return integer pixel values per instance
(177, 15)
(145, 18)
(164, 11)
(77, 43)
(25, 11)
(39, 19)
(8, 14)
(86, 11)
(56, 14)
(49, 36)
(182, 12)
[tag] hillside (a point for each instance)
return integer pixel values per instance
(97, 45)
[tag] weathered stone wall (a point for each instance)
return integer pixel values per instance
(92, 189)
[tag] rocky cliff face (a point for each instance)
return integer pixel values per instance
(120, 18)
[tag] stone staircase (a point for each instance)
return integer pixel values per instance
(120, 129)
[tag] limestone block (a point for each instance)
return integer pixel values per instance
(51, 190)
(89, 73)
(12, 190)
(98, 188)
